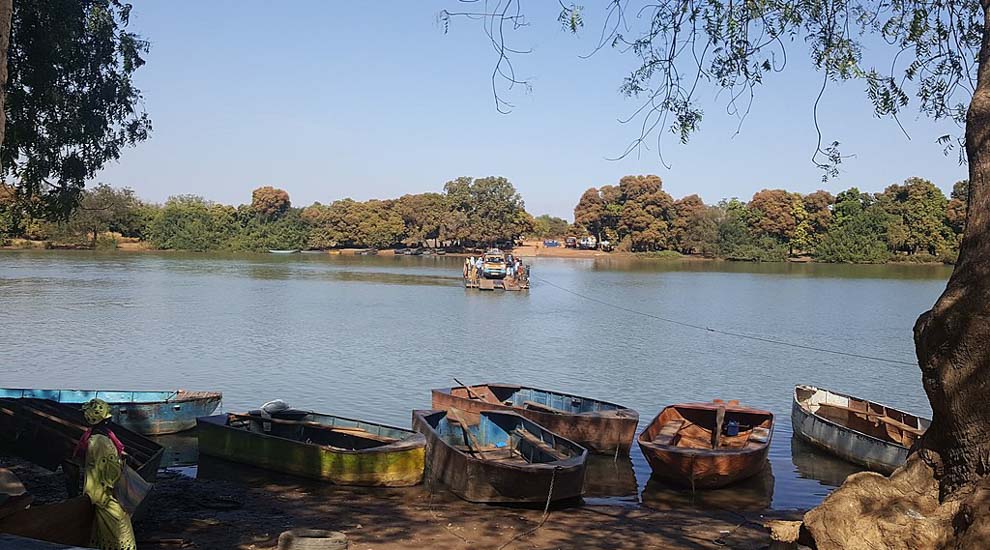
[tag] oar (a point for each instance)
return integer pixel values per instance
(470, 392)
(719, 420)
(453, 414)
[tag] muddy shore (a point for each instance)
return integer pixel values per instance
(235, 507)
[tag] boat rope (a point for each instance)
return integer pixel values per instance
(431, 483)
(546, 513)
(727, 332)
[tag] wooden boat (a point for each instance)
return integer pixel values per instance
(289, 251)
(45, 433)
(863, 432)
(500, 457)
(146, 412)
(707, 445)
(598, 426)
(318, 446)
(67, 522)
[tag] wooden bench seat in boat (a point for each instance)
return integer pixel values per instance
(668, 432)
(880, 417)
(540, 407)
(539, 444)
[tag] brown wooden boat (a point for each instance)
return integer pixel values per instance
(599, 426)
(707, 445)
(500, 457)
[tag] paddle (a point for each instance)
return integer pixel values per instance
(453, 414)
(719, 420)
(470, 392)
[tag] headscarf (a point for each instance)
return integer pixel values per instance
(95, 411)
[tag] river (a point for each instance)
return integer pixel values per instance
(369, 336)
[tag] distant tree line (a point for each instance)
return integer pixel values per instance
(912, 221)
(469, 212)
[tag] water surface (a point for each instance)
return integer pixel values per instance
(369, 336)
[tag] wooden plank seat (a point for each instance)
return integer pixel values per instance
(540, 407)
(759, 435)
(539, 444)
(880, 417)
(668, 431)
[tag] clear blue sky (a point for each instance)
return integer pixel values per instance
(372, 100)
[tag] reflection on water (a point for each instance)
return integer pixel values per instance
(609, 480)
(749, 495)
(181, 449)
(812, 463)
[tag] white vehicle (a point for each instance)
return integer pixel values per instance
(588, 243)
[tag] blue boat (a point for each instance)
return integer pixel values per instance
(145, 412)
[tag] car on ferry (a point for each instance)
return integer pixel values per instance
(493, 266)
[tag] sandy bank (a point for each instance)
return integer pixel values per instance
(245, 508)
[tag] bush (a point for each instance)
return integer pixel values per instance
(662, 255)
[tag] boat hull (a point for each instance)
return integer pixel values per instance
(400, 465)
(699, 467)
(494, 482)
(844, 442)
(145, 412)
(607, 432)
(706, 470)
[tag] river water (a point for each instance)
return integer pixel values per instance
(368, 337)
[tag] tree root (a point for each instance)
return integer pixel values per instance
(871, 511)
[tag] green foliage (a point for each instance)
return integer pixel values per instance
(858, 238)
(547, 226)
(188, 222)
(71, 103)
(663, 255)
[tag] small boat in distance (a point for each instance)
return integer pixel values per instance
(872, 435)
(707, 445)
(287, 251)
(145, 412)
(500, 457)
(339, 450)
(599, 426)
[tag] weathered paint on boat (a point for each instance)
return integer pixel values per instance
(398, 464)
(850, 434)
(494, 480)
(46, 433)
(684, 459)
(599, 426)
(146, 412)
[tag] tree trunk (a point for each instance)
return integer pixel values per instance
(6, 10)
(952, 339)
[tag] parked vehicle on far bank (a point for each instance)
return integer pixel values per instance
(605, 246)
(588, 243)
(570, 242)
(550, 243)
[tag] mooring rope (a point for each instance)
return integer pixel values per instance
(546, 512)
(726, 332)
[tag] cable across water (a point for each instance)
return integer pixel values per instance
(724, 332)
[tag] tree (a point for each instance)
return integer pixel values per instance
(773, 214)
(919, 208)
(956, 208)
(858, 235)
(104, 208)
(818, 206)
(269, 203)
(546, 226)
(71, 104)
(188, 222)
(937, 51)
(590, 212)
(695, 226)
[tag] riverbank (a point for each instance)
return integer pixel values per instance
(245, 508)
(530, 249)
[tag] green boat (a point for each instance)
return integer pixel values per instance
(340, 450)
